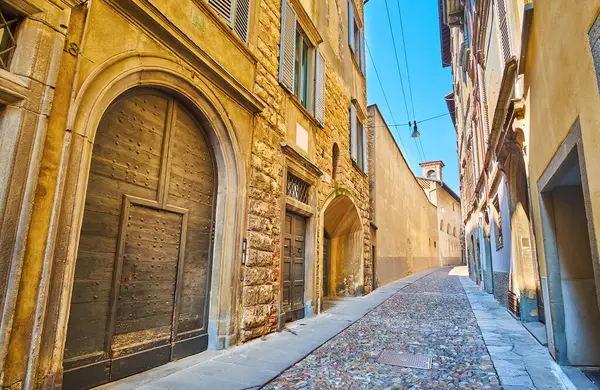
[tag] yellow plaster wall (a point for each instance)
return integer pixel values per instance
(406, 220)
(560, 87)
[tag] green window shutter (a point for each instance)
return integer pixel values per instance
(362, 52)
(320, 78)
(224, 9)
(241, 20)
(287, 45)
(365, 152)
(353, 134)
(351, 26)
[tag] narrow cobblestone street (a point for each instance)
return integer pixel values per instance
(473, 343)
(431, 317)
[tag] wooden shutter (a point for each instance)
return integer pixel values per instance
(320, 77)
(351, 26)
(353, 133)
(242, 19)
(362, 51)
(365, 151)
(287, 46)
(223, 8)
(503, 27)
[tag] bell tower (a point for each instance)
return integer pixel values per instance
(432, 169)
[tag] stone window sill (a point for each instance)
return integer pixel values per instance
(12, 88)
(304, 110)
(359, 169)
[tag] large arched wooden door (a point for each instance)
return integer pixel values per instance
(142, 277)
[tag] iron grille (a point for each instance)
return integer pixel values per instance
(7, 38)
(297, 188)
(513, 303)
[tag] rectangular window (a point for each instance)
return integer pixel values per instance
(302, 68)
(358, 141)
(356, 38)
(297, 188)
(303, 65)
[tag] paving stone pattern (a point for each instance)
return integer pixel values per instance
(430, 317)
(520, 361)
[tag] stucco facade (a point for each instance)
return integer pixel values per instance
(214, 73)
(525, 105)
(566, 233)
(449, 216)
(408, 238)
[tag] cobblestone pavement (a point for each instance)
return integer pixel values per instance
(430, 317)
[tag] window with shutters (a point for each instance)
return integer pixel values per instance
(356, 38)
(235, 13)
(302, 67)
(358, 141)
(503, 28)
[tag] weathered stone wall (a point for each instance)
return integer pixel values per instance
(260, 287)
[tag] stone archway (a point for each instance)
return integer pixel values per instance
(142, 276)
(96, 95)
(344, 233)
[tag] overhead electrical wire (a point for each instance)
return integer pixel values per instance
(385, 98)
(419, 142)
(387, 9)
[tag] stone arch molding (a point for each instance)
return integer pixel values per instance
(102, 87)
(346, 276)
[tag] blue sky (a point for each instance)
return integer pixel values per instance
(430, 82)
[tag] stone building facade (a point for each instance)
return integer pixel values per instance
(176, 177)
(525, 105)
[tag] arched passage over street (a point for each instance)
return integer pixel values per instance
(343, 237)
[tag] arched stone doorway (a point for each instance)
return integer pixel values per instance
(142, 275)
(343, 236)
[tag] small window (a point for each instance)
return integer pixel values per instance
(9, 22)
(431, 175)
(442, 225)
(297, 188)
(435, 244)
(448, 229)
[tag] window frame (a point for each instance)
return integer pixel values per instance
(308, 76)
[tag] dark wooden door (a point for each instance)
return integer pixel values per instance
(142, 277)
(293, 266)
(326, 249)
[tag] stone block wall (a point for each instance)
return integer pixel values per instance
(261, 280)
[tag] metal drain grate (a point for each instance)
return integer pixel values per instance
(405, 360)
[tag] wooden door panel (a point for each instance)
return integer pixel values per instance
(152, 155)
(148, 277)
(191, 185)
(293, 266)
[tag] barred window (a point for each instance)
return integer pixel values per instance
(297, 188)
(8, 26)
